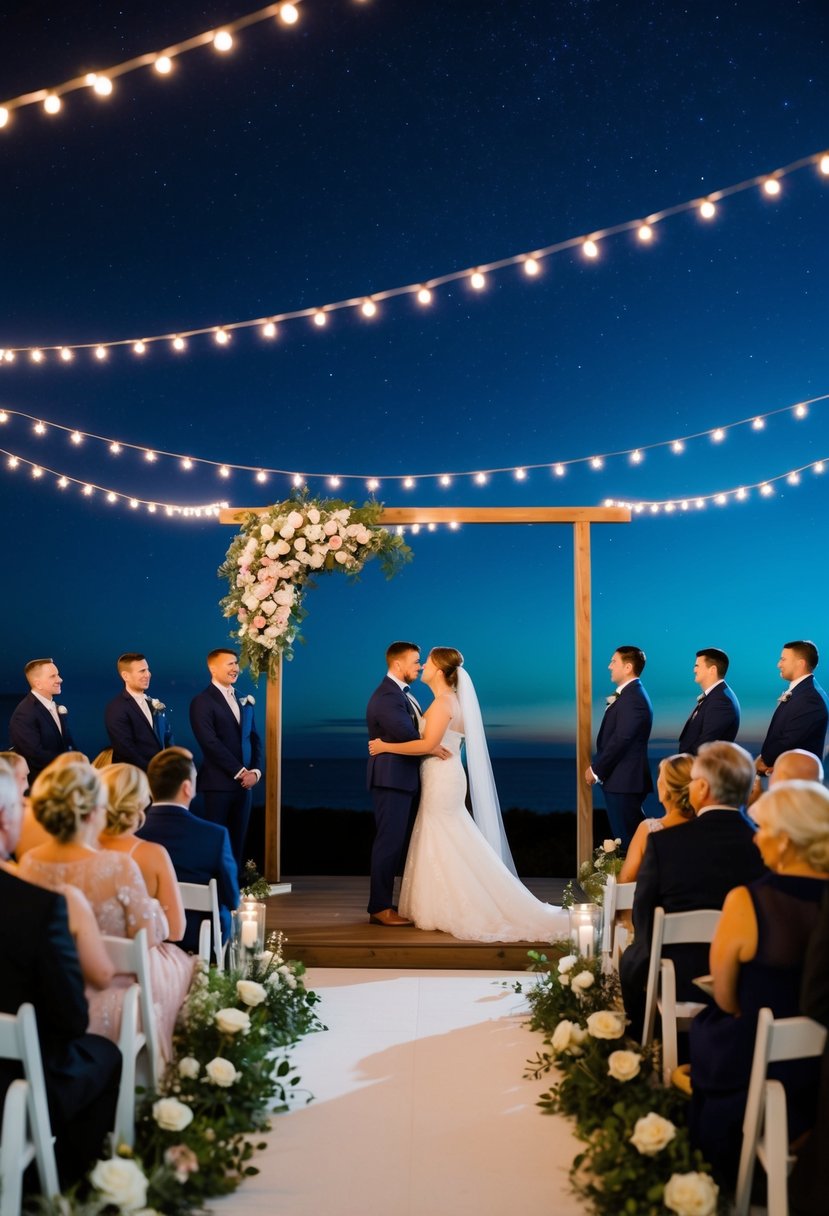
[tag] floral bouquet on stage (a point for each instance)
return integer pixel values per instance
(592, 876)
(276, 555)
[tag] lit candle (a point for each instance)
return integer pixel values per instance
(250, 934)
(586, 940)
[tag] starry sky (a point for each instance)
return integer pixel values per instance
(386, 143)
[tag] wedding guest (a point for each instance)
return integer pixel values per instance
(796, 765)
(39, 964)
(136, 722)
(809, 1181)
(231, 766)
(802, 714)
(620, 764)
(38, 728)
(672, 783)
(198, 850)
(757, 960)
(716, 714)
(30, 832)
(692, 867)
(103, 759)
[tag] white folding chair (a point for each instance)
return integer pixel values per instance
(16, 1150)
(131, 956)
(19, 1041)
(673, 929)
(198, 897)
(765, 1123)
(130, 1042)
(618, 897)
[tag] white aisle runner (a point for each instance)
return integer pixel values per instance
(420, 1106)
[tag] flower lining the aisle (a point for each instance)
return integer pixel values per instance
(638, 1159)
(275, 556)
(592, 877)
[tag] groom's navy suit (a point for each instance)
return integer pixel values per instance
(621, 760)
(799, 721)
(33, 733)
(716, 718)
(133, 740)
(394, 782)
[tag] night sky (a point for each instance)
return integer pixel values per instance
(381, 144)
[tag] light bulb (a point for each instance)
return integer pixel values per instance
(66, 354)
(590, 249)
(163, 64)
(101, 352)
(771, 186)
(139, 347)
(596, 462)
(800, 411)
(670, 508)
(520, 474)
(36, 356)
(445, 480)
(373, 483)
(52, 103)
(480, 479)
(531, 266)
(3, 416)
(179, 344)
(36, 471)
(223, 41)
(115, 448)
(408, 483)
(636, 457)
(187, 464)
(718, 435)
(62, 483)
(288, 14)
(151, 508)
(742, 494)
(320, 318)
(334, 483)
(453, 525)
(758, 424)
(793, 479)
(684, 504)
(112, 497)
(368, 308)
(823, 162)
(297, 481)
(431, 527)
(224, 471)
(269, 330)
(415, 529)
(645, 232)
(424, 296)
(707, 209)
(766, 489)
(9, 356)
(4, 116)
(478, 281)
(222, 337)
(13, 462)
(150, 456)
(819, 466)
(76, 437)
(677, 446)
(102, 86)
(134, 503)
(261, 476)
(88, 491)
(558, 469)
(40, 429)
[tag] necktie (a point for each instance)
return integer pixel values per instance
(148, 710)
(234, 704)
(700, 698)
(53, 709)
(410, 706)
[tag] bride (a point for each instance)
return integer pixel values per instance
(459, 874)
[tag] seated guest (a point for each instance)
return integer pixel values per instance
(757, 959)
(103, 759)
(39, 964)
(38, 728)
(809, 1180)
(136, 722)
(128, 796)
(198, 850)
(796, 765)
(31, 833)
(672, 782)
(694, 868)
(70, 802)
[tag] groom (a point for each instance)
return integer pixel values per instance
(392, 715)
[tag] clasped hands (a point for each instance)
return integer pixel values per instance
(247, 779)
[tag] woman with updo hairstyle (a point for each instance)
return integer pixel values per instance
(672, 783)
(757, 958)
(460, 876)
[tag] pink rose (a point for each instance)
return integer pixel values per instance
(335, 542)
(259, 622)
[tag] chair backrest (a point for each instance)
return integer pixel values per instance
(204, 897)
(131, 956)
(19, 1041)
(618, 897)
(673, 929)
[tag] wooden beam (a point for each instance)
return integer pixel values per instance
(584, 691)
(473, 515)
(273, 776)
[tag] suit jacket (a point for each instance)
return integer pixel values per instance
(684, 868)
(799, 722)
(133, 740)
(199, 851)
(388, 718)
(33, 733)
(716, 717)
(227, 745)
(621, 760)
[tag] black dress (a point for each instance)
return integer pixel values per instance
(722, 1045)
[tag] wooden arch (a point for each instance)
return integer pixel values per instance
(580, 518)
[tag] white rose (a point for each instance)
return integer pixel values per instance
(250, 993)
(609, 846)
(313, 532)
(316, 560)
(189, 1067)
(272, 631)
(341, 557)
(172, 1115)
(286, 532)
(267, 606)
(221, 1072)
(651, 1134)
(251, 601)
(564, 980)
(561, 1036)
(624, 1065)
(299, 544)
(266, 532)
(329, 527)
(567, 963)
(313, 515)
(583, 981)
(284, 596)
(606, 1024)
(691, 1194)
(232, 1021)
(121, 1183)
(363, 536)
(282, 547)
(296, 520)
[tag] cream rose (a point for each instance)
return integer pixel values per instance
(567, 963)
(691, 1194)
(266, 532)
(233, 1021)
(250, 993)
(582, 981)
(624, 1065)
(189, 1067)
(561, 1036)
(606, 1024)
(651, 1134)
(121, 1183)
(609, 846)
(221, 1072)
(296, 520)
(172, 1115)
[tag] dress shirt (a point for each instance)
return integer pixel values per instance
(52, 708)
(143, 702)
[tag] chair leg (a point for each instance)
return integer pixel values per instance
(776, 1146)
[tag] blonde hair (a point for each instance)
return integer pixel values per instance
(9, 795)
(128, 796)
(64, 795)
(800, 809)
(447, 660)
(675, 772)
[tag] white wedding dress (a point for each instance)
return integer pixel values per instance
(454, 879)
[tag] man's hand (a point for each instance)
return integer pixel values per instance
(589, 776)
(248, 780)
(761, 766)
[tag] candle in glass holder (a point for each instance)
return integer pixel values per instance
(250, 934)
(584, 925)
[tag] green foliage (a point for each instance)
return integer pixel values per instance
(254, 886)
(607, 859)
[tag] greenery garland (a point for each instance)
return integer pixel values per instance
(275, 557)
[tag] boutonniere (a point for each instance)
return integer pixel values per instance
(248, 700)
(62, 710)
(157, 706)
(613, 697)
(787, 696)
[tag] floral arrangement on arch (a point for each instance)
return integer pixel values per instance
(637, 1156)
(607, 859)
(275, 556)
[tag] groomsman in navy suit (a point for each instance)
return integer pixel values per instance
(716, 715)
(802, 713)
(231, 750)
(620, 764)
(38, 727)
(135, 722)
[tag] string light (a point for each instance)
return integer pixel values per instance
(722, 498)
(223, 41)
(645, 232)
(163, 65)
(424, 293)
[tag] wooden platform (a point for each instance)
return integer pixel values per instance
(326, 925)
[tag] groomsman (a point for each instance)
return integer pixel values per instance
(38, 727)
(716, 715)
(620, 764)
(802, 713)
(135, 722)
(231, 749)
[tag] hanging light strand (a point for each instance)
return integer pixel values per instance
(721, 498)
(367, 304)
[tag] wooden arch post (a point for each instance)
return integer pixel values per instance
(580, 518)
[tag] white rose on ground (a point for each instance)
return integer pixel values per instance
(582, 981)
(233, 1021)
(606, 1024)
(266, 532)
(691, 1194)
(189, 1067)
(624, 1065)
(651, 1134)
(609, 846)
(567, 963)
(250, 992)
(121, 1183)
(221, 1072)
(172, 1115)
